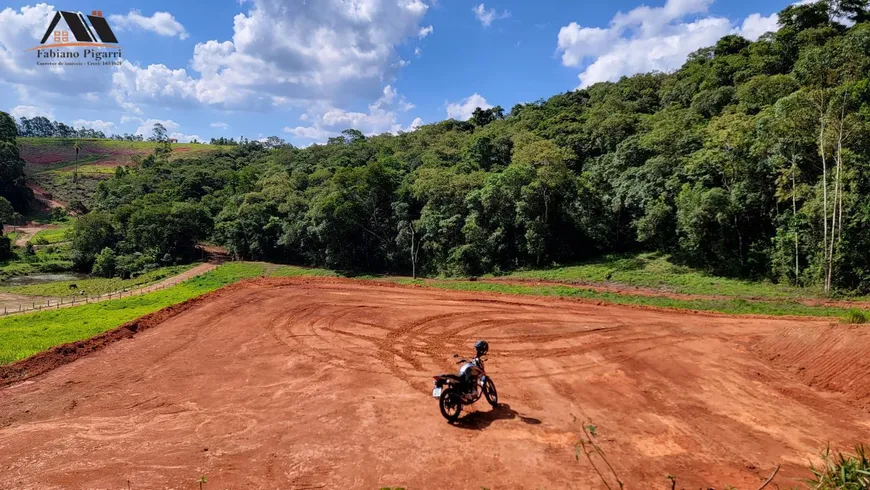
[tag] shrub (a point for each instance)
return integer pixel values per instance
(841, 471)
(58, 214)
(135, 264)
(855, 316)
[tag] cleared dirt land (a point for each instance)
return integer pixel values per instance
(325, 383)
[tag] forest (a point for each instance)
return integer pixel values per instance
(751, 160)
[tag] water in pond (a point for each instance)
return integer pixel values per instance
(41, 278)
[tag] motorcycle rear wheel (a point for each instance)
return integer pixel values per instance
(450, 405)
(490, 392)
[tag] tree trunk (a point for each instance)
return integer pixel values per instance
(794, 223)
(413, 256)
(822, 114)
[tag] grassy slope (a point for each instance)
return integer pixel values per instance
(94, 286)
(51, 162)
(24, 335)
(657, 272)
(54, 235)
(57, 153)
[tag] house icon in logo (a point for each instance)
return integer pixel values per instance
(96, 33)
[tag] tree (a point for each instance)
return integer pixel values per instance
(90, 235)
(105, 263)
(274, 142)
(158, 133)
(806, 16)
(482, 117)
(12, 179)
(6, 213)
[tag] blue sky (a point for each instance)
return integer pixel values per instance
(305, 70)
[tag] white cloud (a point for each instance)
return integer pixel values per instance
(310, 132)
(162, 23)
(418, 52)
(185, 138)
(382, 117)
(155, 84)
(416, 123)
(30, 111)
(464, 109)
(302, 51)
(487, 17)
(147, 126)
(106, 127)
(220, 125)
(649, 39)
(756, 25)
(425, 31)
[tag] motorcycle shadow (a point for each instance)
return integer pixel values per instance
(481, 420)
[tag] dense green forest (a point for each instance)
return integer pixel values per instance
(13, 193)
(751, 160)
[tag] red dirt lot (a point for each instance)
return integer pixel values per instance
(325, 383)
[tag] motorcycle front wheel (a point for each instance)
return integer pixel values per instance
(450, 405)
(490, 393)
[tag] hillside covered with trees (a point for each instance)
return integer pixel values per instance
(752, 160)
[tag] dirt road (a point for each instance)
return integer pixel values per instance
(325, 383)
(23, 234)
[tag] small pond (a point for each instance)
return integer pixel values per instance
(43, 277)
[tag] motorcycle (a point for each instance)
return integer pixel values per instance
(455, 391)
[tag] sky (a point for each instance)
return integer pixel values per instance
(304, 70)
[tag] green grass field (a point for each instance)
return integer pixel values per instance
(24, 335)
(657, 272)
(95, 286)
(53, 235)
(100, 170)
(50, 162)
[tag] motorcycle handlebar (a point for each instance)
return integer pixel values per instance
(482, 359)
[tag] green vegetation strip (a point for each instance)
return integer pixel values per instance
(653, 270)
(294, 271)
(735, 306)
(95, 286)
(25, 335)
